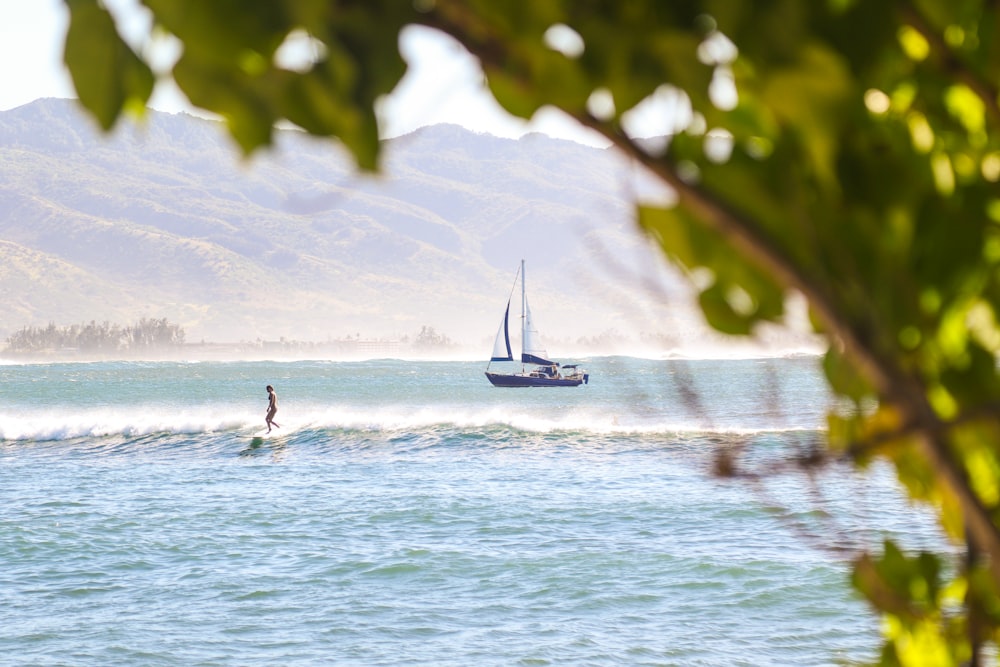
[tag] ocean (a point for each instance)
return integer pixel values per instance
(409, 513)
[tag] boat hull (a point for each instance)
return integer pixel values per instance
(519, 380)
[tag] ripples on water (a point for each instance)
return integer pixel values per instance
(382, 537)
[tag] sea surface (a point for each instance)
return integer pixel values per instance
(408, 513)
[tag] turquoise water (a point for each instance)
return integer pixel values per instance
(408, 513)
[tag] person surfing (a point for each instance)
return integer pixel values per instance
(272, 408)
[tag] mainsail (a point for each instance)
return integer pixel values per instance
(531, 350)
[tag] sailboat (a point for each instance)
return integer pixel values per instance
(536, 369)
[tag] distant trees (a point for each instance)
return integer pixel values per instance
(145, 335)
(158, 335)
(430, 339)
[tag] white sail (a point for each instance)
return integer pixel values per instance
(501, 345)
(531, 349)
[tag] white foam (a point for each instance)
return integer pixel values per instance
(137, 421)
(103, 422)
(402, 419)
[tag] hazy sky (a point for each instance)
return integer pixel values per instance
(443, 85)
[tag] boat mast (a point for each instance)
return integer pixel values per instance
(524, 315)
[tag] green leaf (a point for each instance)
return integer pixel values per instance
(740, 294)
(230, 32)
(107, 74)
(720, 312)
(844, 377)
(905, 586)
(242, 100)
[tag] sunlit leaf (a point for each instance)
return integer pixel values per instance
(108, 76)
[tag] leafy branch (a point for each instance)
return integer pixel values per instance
(862, 174)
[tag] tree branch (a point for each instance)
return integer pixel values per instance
(891, 383)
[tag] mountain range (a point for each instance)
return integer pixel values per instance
(163, 218)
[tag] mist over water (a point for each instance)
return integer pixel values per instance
(410, 513)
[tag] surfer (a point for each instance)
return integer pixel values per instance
(272, 408)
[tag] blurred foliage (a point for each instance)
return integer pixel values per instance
(847, 150)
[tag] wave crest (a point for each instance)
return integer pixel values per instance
(137, 422)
